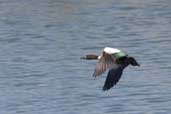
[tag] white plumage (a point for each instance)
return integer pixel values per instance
(109, 50)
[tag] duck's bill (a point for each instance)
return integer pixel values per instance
(84, 57)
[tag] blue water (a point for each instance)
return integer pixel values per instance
(41, 42)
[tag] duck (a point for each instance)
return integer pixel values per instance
(115, 61)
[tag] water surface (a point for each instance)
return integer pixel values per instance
(41, 42)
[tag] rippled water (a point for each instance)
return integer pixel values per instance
(41, 42)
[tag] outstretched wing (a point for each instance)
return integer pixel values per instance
(105, 62)
(113, 77)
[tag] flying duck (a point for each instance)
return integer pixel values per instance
(113, 59)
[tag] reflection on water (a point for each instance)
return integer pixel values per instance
(41, 43)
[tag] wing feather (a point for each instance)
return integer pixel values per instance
(113, 77)
(105, 62)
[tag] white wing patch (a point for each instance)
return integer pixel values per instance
(109, 50)
(99, 57)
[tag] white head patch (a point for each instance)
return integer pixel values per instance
(111, 50)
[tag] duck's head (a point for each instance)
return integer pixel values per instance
(90, 57)
(133, 62)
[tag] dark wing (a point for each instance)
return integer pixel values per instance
(105, 62)
(113, 77)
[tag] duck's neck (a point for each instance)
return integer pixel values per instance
(91, 57)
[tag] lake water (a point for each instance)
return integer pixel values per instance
(41, 42)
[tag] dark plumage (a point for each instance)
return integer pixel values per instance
(114, 60)
(113, 77)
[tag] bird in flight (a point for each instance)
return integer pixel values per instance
(113, 59)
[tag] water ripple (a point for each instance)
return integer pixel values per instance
(41, 43)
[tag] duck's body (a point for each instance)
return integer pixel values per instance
(113, 59)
